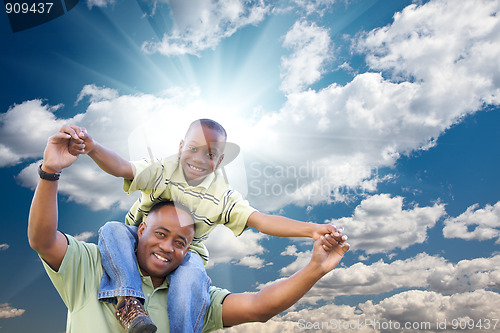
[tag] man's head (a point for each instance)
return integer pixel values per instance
(202, 150)
(164, 239)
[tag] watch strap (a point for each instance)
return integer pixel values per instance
(46, 175)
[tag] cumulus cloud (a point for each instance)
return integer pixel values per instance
(475, 224)
(321, 146)
(24, 130)
(6, 311)
(4, 247)
(411, 310)
(123, 124)
(310, 47)
(96, 94)
(201, 25)
(422, 271)
(435, 64)
(99, 3)
(449, 48)
(414, 310)
(381, 224)
(314, 6)
(224, 247)
(85, 236)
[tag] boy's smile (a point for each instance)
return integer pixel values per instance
(200, 153)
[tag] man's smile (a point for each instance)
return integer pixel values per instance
(161, 258)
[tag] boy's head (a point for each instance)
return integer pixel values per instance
(202, 150)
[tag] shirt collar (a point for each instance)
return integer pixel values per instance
(147, 280)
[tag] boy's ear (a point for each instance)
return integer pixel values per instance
(220, 161)
(181, 145)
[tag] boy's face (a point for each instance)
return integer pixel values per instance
(200, 153)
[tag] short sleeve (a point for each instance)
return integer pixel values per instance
(213, 317)
(146, 174)
(236, 212)
(78, 274)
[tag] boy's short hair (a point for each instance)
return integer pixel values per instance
(174, 204)
(212, 124)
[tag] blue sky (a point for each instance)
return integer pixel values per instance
(380, 115)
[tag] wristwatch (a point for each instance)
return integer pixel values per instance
(48, 176)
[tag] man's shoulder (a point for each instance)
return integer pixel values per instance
(82, 254)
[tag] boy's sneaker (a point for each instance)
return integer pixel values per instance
(131, 314)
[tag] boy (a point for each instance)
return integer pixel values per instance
(192, 179)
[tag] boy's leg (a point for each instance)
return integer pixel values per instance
(117, 243)
(188, 296)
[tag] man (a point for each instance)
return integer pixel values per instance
(163, 240)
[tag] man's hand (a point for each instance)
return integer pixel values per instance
(83, 144)
(328, 251)
(57, 155)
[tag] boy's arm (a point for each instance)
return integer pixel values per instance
(106, 159)
(280, 226)
(279, 296)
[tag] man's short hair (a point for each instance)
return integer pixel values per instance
(174, 204)
(212, 124)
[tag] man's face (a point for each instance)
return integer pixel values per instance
(200, 153)
(164, 240)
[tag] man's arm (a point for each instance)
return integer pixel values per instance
(43, 236)
(280, 226)
(106, 159)
(276, 298)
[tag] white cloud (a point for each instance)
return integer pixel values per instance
(314, 6)
(475, 223)
(413, 310)
(423, 271)
(4, 247)
(99, 3)
(84, 236)
(6, 311)
(291, 250)
(321, 146)
(224, 247)
(311, 50)
(450, 47)
(201, 25)
(381, 224)
(420, 310)
(440, 58)
(25, 128)
(125, 124)
(96, 94)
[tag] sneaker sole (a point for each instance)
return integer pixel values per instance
(142, 324)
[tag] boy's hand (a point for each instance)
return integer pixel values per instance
(323, 229)
(327, 253)
(84, 144)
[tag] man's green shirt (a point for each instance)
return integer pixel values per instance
(77, 282)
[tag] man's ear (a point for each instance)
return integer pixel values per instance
(220, 161)
(140, 230)
(181, 145)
